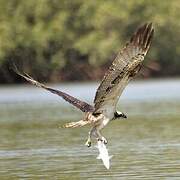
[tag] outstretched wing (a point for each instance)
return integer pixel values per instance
(83, 106)
(125, 66)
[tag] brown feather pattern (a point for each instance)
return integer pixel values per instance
(125, 66)
(83, 106)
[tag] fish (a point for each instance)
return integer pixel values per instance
(103, 154)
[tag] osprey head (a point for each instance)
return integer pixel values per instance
(119, 114)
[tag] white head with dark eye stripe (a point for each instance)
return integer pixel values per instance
(119, 114)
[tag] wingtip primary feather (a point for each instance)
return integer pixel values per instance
(143, 36)
(26, 76)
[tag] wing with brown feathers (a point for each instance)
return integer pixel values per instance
(125, 66)
(83, 106)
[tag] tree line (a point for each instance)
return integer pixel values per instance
(60, 40)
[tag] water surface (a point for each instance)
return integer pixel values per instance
(145, 146)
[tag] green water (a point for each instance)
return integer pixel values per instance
(145, 146)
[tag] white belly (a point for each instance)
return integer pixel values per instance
(103, 123)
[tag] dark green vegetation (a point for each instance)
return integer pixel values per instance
(56, 40)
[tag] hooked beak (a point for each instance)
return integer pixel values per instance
(124, 116)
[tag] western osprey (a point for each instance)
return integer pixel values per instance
(124, 67)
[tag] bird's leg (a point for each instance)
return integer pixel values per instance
(101, 138)
(91, 133)
(88, 142)
(95, 133)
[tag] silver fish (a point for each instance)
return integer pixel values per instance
(103, 154)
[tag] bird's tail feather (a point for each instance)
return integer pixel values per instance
(75, 124)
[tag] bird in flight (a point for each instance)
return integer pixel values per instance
(125, 66)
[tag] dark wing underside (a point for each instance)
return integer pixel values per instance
(125, 66)
(83, 106)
